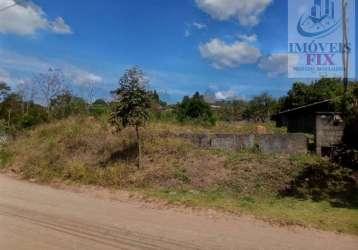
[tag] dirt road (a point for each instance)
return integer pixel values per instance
(35, 217)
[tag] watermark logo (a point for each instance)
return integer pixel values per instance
(315, 34)
(320, 21)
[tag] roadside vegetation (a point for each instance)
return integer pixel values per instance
(278, 210)
(69, 139)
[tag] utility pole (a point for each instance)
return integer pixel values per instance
(345, 52)
(345, 44)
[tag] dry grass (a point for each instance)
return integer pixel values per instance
(76, 149)
(85, 150)
(242, 127)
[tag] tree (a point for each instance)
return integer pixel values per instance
(156, 105)
(350, 101)
(131, 104)
(302, 94)
(27, 90)
(297, 96)
(67, 104)
(261, 107)
(91, 92)
(35, 115)
(18, 110)
(11, 109)
(99, 107)
(50, 85)
(4, 90)
(232, 110)
(195, 109)
(100, 102)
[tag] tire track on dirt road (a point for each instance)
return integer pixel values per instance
(109, 236)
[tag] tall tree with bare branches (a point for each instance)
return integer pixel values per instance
(50, 85)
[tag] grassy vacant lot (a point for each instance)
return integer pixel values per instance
(85, 151)
(242, 127)
(284, 211)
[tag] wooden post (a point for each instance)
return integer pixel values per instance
(139, 147)
(9, 118)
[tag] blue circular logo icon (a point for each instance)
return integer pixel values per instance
(320, 22)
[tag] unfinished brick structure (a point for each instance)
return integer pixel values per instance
(329, 131)
(318, 119)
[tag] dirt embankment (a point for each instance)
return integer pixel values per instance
(86, 151)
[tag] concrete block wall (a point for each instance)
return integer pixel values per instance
(329, 130)
(227, 141)
(295, 143)
(292, 143)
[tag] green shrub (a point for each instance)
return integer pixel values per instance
(28, 121)
(5, 158)
(326, 181)
(346, 156)
(196, 110)
(99, 108)
(180, 174)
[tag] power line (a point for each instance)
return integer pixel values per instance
(12, 5)
(8, 7)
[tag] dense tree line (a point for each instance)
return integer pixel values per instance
(262, 107)
(47, 97)
(302, 94)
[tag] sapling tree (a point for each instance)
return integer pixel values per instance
(131, 105)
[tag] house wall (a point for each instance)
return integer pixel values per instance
(329, 131)
(301, 123)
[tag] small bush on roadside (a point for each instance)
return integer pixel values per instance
(326, 181)
(346, 156)
(5, 158)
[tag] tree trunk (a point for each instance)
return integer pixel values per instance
(139, 143)
(9, 118)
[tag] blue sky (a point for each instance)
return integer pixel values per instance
(182, 45)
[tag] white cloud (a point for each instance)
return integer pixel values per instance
(4, 76)
(278, 64)
(26, 19)
(80, 76)
(32, 65)
(199, 26)
(23, 63)
(225, 95)
(60, 27)
(248, 38)
(192, 27)
(7, 78)
(246, 11)
(225, 55)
